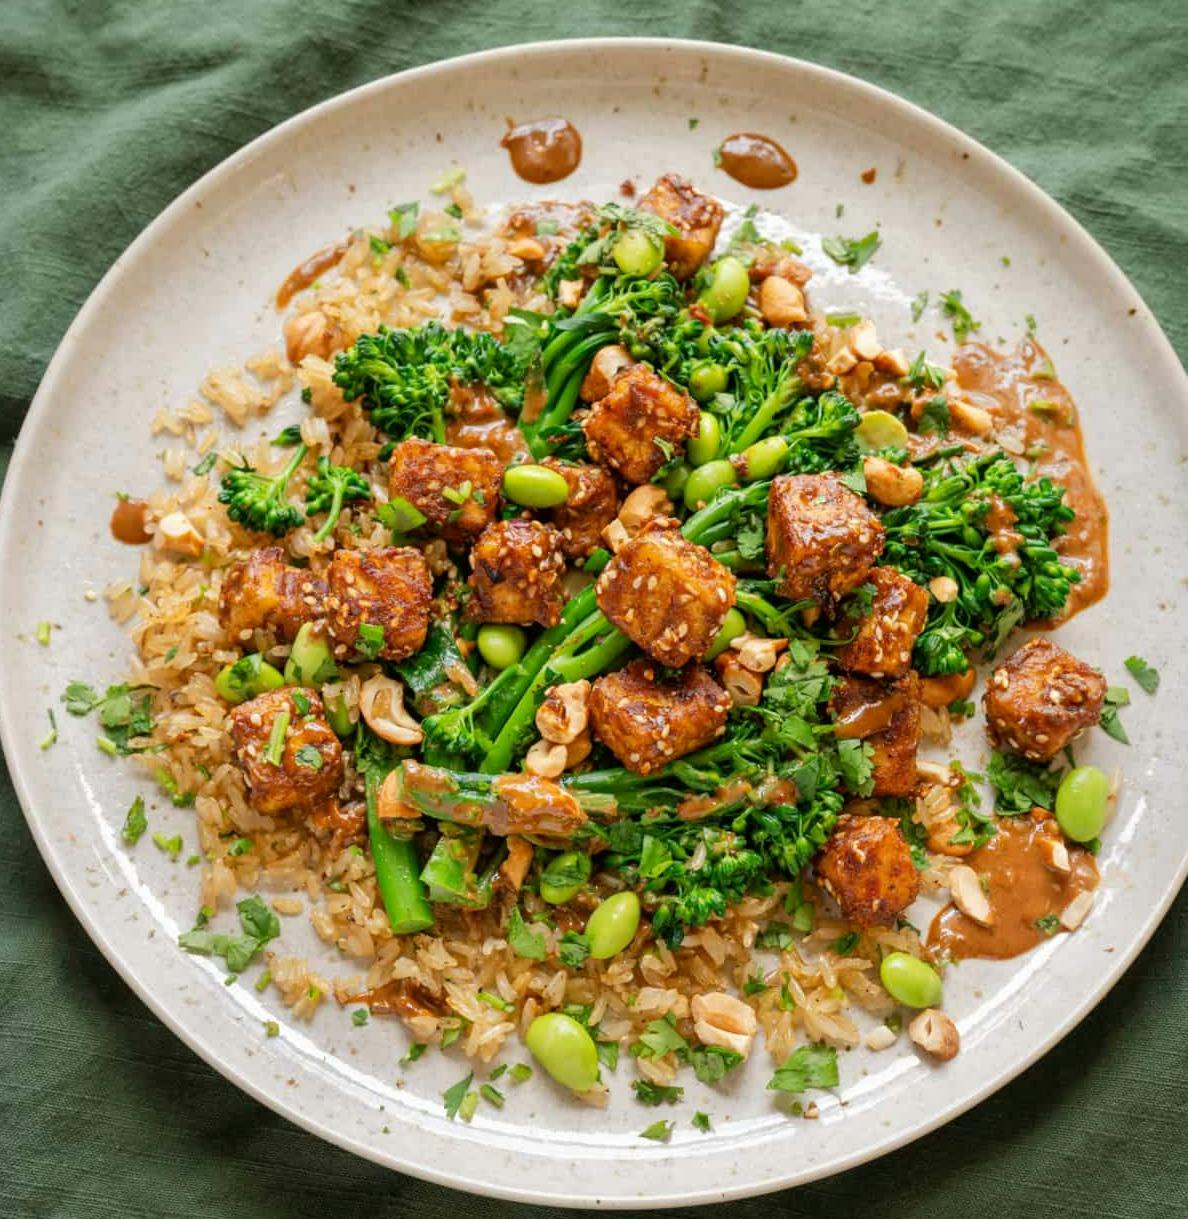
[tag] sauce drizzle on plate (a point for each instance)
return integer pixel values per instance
(756, 161)
(545, 150)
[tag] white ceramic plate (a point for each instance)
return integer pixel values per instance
(194, 291)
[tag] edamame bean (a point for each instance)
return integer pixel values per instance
(534, 486)
(501, 646)
(706, 480)
(674, 484)
(1081, 802)
(310, 662)
(765, 458)
(910, 981)
(247, 677)
(613, 924)
(733, 625)
(705, 445)
(727, 290)
(881, 430)
(638, 253)
(564, 876)
(706, 380)
(565, 1050)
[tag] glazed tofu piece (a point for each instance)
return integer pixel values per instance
(455, 489)
(517, 574)
(887, 714)
(883, 644)
(1040, 698)
(866, 867)
(822, 539)
(666, 594)
(379, 602)
(639, 424)
(593, 503)
(264, 593)
(647, 721)
(306, 768)
(696, 218)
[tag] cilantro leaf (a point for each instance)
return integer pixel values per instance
(811, 1066)
(1020, 785)
(455, 1094)
(1143, 673)
(712, 1062)
(660, 1038)
(955, 309)
(701, 1121)
(522, 940)
(659, 1132)
(648, 1093)
(135, 823)
(852, 252)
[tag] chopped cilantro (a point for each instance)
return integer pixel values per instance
(522, 940)
(935, 416)
(258, 924)
(845, 944)
(712, 1062)
(455, 1094)
(404, 219)
(171, 846)
(271, 1028)
(852, 252)
(658, 1132)
(414, 1052)
(1049, 924)
(310, 756)
(648, 1093)
(924, 375)
(573, 949)
(135, 822)
(206, 464)
(1116, 698)
(1020, 785)
(756, 984)
(450, 1035)
(1143, 673)
(919, 304)
(241, 846)
(370, 640)
(288, 437)
(359, 1017)
(701, 1121)
(953, 307)
(660, 1037)
(811, 1066)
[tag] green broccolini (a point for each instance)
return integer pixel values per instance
(258, 501)
(329, 489)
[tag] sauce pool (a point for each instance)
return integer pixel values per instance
(756, 161)
(300, 277)
(129, 521)
(545, 150)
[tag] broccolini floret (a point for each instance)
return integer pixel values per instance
(258, 501)
(329, 489)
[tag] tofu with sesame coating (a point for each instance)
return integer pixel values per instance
(883, 640)
(639, 424)
(455, 489)
(696, 218)
(867, 868)
(592, 504)
(647, 721)
(308, 767)
(822, 539)
(1040, 698)
(390, 589)
(516, 579)
(262, 592)
(666, 594)
(887, 714)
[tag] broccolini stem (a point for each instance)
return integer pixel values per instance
(397, 872)
(761, 420)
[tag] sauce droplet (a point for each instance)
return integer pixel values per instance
(545, 150)
(300, 277)
(128, 520)
(756, 161)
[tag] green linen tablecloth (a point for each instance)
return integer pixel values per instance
(107, 111)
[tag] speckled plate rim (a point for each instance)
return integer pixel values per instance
(1081, 245)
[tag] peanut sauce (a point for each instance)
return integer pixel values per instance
(300, 277)
(399, 998)
(756, 161)
(129, 520)
(545, 150)
(1033, 408)
(480, 422)
(869, 715)
(1022, 890)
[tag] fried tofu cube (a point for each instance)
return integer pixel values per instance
(592, 504)
(643, 421)
(1040, 698)
(666, 594)
(696, 218)
(882, 646)
(455, 489)
(866, 867)
(822, 539)
(379, 602)
(887, 714)
(517, 574)
(264, 593)
(647, 721)
(307, 769)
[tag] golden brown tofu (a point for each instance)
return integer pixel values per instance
(867, 868)
(887, 714)
(308, 766)
(647, 722)
(1040, 698)
(517, 574)
(641, 423)
(666, 594)
(264, 593)
(593, 503)
(822, 539)
(455, 489)
(696, 218)
(883, 644)
(379, 602)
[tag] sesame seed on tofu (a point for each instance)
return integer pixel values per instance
(516, 578)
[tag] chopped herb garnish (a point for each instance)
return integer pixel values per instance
(648, 1093)
(359, 1017)
(811, 1066)
(845, 944)
(520, 1073)
(451, 1034)
(843, 320)
(919, 304)
(1020, 785)
(288, 437)
(50, 737)
(701, 1121)
(522, 940)
(171, 846)
(258, 925)
(573, 949)
(954, 308)
(123, 712)
(935, 417)
(452, 209)
(43, 633)
(491, 1095)
(413, 1053)
(455, 1094)
(547, 228)
(404, 219)
(271, 1028)
(370, 640)
(379, 247)
(263, 981)
(756, 984)
(923, 375)
(1049, 924)
(310, 756)
(712, 1062)
(241, 846)
(135, 822)
(1146, 676)
(658, 1132)
(1116, 697)
(206, 464)
(660, 1037)
(498, 1002)
(274, 752)
(446, 235)
(852, 252)
(693, 124)
(446, 183)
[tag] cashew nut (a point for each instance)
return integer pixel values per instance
(1054, 854)
(177, 532)
(527, 249)
(604, 369)
(890, 484)
(546, 760)
(389, 800)
(936, 1034)
(841, 362)
(943, 588)
(308, 334)
(880, 1038)
(515, 867)
(893, 362)
(757, 653)
(972, 418)
(569, 293)
(615, 536)
(641, 506)
(561, 718)
(744, 687)
(381, 703)
(578, 750)
(781, 302)
(965, 888)
(1075, 913)
(864, 341)
(722, 1020)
